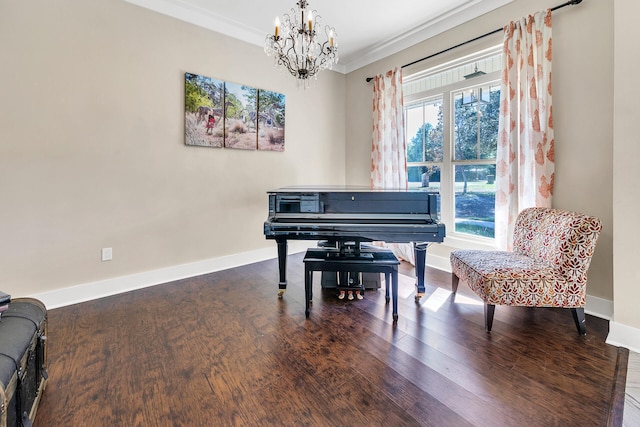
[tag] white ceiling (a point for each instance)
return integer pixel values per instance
(367, 30)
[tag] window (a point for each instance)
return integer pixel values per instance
(451, 120)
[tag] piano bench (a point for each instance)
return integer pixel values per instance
(331, 279)
(319, 259)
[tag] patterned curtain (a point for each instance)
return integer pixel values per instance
(389, 148)
(525, 158)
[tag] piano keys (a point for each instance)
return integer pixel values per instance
(348, 216)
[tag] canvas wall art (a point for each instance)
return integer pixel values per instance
(203, 112)
(270, 120)
(231, 115)
(240, 122)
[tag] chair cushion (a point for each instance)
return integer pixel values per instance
(508, 278)
(560, 238)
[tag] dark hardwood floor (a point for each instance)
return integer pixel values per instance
(222, 349)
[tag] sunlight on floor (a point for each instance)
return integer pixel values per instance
(406, 286)
(461, 299)
(436, 299)
(433, 301)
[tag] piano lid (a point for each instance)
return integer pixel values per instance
(350, 200)
(345, 189)
(353, 212)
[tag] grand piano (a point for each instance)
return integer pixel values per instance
(348, 216)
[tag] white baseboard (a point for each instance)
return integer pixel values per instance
(439, 262)
(599, 307)
(104, 288)
(89, 291)
(624, 336)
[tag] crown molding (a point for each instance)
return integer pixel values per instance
(423, 32)
(221, 24)
(203, 18)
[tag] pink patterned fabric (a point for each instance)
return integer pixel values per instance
(525, 155)
(547, 268)
(389, 148)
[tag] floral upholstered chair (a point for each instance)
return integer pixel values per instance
(552, 250)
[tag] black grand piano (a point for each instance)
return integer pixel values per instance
(348, 216)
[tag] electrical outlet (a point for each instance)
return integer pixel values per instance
(107, 254)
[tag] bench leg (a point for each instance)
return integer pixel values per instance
(454, 282)
(489, 309)
(578, 317)
(387, 286)
(308, 290)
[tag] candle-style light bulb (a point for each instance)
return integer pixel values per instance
(277, 27)
(331, 38)
(310, 21)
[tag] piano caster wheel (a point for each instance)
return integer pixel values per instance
(306, 313)
(387, 299)
(280, 293)
(395, 318)
(418, 296)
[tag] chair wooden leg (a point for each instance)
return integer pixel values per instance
(578, 317)
(489, 309)
(454, 282)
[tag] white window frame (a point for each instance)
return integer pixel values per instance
(447, 166)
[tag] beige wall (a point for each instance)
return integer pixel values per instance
(583, 104)
(626, 176)
(92, 150)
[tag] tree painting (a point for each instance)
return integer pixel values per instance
(231, 115)
(240, 124)
(270, 120)
(203, 113)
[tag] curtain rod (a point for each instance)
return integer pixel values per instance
(569, 3)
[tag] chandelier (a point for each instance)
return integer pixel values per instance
(296, 47)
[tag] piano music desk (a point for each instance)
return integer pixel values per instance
(365, 262)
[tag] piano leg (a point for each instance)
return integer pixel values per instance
(282, 266)
(394, 294)
(420, 251)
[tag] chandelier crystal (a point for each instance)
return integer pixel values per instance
(296, 47)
